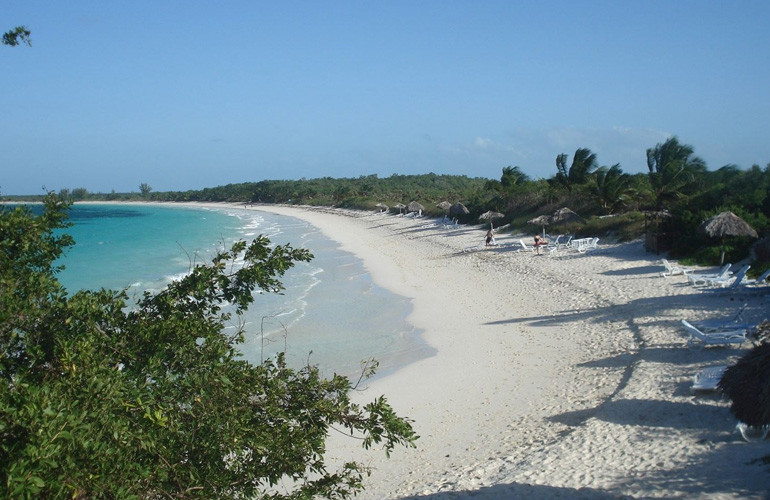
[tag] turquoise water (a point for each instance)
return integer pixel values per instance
(330, 314)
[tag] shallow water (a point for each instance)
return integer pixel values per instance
(330, 313)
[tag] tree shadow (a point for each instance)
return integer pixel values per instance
(670, 354)
(635, 271)
(743, 469)
(652, 413)
(653, 307)
(513, 491)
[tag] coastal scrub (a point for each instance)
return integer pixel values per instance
(101, 401)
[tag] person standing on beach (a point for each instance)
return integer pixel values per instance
(490, 237)
(538, 243)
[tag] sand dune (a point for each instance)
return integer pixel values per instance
(563, 375)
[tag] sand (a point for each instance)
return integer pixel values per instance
(556, 376)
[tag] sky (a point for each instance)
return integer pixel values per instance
(194, 94)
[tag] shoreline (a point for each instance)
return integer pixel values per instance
(561, 375)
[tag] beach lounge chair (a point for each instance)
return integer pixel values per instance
(582, 245)
(736, 322)
(699, 338)
(729, 282)
(761, 280)
(564, 242)
(708, 378)
(756, 285)
(524, 247)
(751, 433)
(702, 278)
(576, 244)
(673, 270)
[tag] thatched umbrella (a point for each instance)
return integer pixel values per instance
(727, 224)
(414, 207)
(747, 384)
(399, 206)
(490, 215)
(564, 215)
(541, 220)
(445, 206)
(383, 206)
(458, 209)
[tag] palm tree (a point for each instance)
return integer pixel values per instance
(583, 164)
(513, 176)
(672, 168)
(611, 187)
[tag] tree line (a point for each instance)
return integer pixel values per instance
(672, 198)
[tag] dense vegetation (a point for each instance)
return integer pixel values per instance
(98, 400)
(669, 201)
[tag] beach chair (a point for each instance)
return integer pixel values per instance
(728, 283)
(735, 322)
(708, 378)
(582, 245)
(761, 280)
(575, 244)
(702, 278)
(699, 339)
(756, 285)
(562, 241)
(524, 247)
(753, 433)
(673, 270)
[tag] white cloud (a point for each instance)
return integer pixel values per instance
(483, 143)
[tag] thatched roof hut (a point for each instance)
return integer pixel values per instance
(541, 220)
(747, 384)
(414, 207)
(727, 224)
(564, 215)
(458, 209)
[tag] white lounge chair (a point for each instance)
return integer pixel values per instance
(524, 247)
(752, 433)
(553, 243)
(673, 270)
(729, 282)
(576, 244)
(708, 378)
(583, 244)
(564, 243)
(724, 324)
(756, 285)
(698, 338)
(702, 278)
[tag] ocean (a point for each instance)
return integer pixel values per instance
(330, 314)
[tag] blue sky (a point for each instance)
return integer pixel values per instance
(186, 95)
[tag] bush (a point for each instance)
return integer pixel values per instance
(98, 401)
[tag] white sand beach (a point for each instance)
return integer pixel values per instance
(556, 376)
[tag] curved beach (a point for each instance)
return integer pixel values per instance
(563, 375)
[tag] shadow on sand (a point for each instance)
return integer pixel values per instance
(515, 491)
